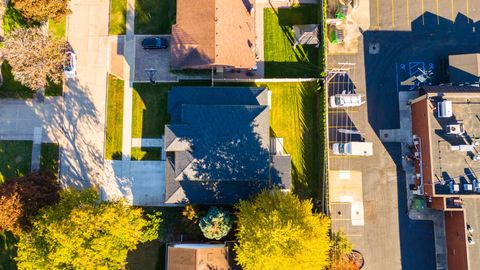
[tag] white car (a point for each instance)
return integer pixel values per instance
(70, 65)
(346, 100)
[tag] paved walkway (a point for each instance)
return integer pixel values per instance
(36, 149)
(139, 142)
(83, 129)
(128, 75)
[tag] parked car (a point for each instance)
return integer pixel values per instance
(346, 100)
(70, 65)
(154, 43)
(353, 149)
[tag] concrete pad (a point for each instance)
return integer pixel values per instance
(117, 55)
(139, 142)
(145, 184)
(158, 60)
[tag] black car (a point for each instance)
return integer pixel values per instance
(154, 43)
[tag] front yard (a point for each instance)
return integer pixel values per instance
(281, 59)
(149, 114)
(15, 158)
(118, 17)
(154, 16)
(114, 128)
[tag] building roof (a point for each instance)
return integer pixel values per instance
(211, 33)
(448, 163)
(464, 68)
(218, 145)
(199, 257)
(306, 34)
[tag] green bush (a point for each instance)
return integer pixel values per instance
(216, 224)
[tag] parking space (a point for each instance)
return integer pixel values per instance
(152, 64)
(401, 14)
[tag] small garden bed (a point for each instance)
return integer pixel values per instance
(118, 17)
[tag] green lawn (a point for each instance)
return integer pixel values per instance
(15, 158)
(118, 19)
(154, 16)
(150, 255)
(10, 87)
(149, 114)
(49, 157)
(8, 251)
(281, 59)
(146, 153)
(53, 89)
(58, 28)
(304, 14)
(294, 118)
(113, 147)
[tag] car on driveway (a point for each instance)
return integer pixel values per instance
(70, 65)
(154, 43)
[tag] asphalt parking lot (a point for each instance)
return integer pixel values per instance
(155, 63)
(398, 14)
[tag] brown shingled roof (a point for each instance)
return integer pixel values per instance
(212, 33)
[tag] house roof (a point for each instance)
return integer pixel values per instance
(218, 145)
(213, 33)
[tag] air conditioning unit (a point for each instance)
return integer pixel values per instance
(444, 109)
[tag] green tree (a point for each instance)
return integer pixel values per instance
(216, 224)
(42, 10)
(80, 232)
(279, 231)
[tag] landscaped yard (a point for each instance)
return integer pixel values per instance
(113, 146)
(13, 19)
(149, 114)
(281, 59)
(118, 19)
(294, 118)
(146, 153)
(154, 16)
(15, 158)
(49, 157)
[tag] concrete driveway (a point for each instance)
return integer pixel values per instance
(156, 60)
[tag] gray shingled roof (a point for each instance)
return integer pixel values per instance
(228, 134)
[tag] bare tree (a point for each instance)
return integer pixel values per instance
(34, 57)
(42, 10)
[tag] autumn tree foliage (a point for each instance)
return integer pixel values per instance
(42, 10)
(21, 198)
(34, 57)
(216, 224)
(340, 253)
(279, 231)
(81, 232)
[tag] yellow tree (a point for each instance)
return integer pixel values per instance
(279, 231)
(80, 232)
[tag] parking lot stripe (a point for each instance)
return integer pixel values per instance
(453, 18)
(423, 12)
(393, 13)
(408, 13)
(468, 16)
(378, 13)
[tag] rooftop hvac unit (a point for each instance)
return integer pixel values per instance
(445, 109)
(456, 129)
